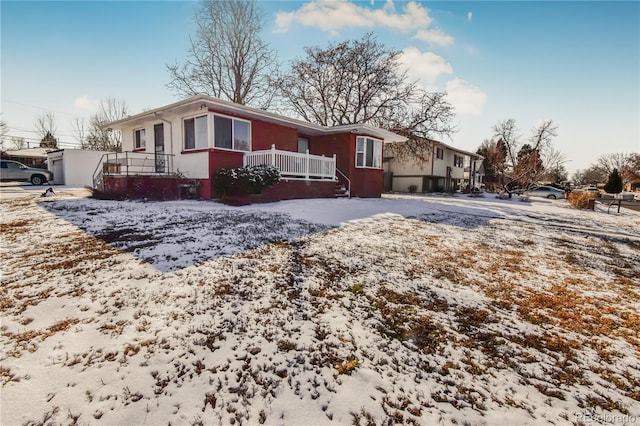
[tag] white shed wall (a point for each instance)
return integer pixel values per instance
(74, 166)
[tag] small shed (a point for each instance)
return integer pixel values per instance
(74, 166)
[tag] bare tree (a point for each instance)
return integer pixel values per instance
(100, 138)
(227, 58)
(4, 129)
(524, 162)
(18, 143)
(631, 173)
(507, 132)
(608, 162)
(628, 166)
(46, 128)
(79, 125)
(362, 81)
(553, 162)
(46, 124)
(591, 176)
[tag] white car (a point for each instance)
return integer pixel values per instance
(545, 192)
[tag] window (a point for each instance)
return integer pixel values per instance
(230, 133)
(195, 132)
(138, 139)
(439, 153)
(458, 161)
(368, 152)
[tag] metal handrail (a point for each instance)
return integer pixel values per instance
(348, 181)
(132, 163)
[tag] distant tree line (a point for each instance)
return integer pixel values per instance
(627, 166)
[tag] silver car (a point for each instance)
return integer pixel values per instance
(14, 171)
(546, 192)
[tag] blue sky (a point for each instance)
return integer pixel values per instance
(577, 63)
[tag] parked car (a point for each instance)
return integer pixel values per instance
(590, 189)
(545, 192)
(14, 171)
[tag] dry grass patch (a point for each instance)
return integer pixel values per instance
(25, 341)
(580, 200)
(7, 376)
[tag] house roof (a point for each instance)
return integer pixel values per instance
(208, 102)
(30, 152)
(458, 150)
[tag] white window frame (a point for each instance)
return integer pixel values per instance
(233, 129)
(195, 142)
(455, 160)
(143, 138)
(375, 146)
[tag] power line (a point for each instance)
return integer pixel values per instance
(35, 106)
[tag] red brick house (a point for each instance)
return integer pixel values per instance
(174, 150)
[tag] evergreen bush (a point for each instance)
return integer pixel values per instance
(614, 184)
(244, 180)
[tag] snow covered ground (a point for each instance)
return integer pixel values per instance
(415, 310)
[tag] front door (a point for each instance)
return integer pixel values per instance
(158, 137)
(303, 145)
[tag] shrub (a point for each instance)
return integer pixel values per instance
(614, 184)
(244, 180)
(580, 200)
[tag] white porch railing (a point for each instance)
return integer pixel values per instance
(294, 164)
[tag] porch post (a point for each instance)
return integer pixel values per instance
(306, 175)
(335, 166)
(126, 161)
(273, 155)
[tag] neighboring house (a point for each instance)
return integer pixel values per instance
(190, 140)
(32, 157)
(444, 170)
(473, 173)
(74, 166)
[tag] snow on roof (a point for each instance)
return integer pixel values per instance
(30, 152)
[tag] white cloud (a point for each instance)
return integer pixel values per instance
(469, 16)
(331, 16)
(83, 102)
(424, 66)
(466, 98)
(434, 37)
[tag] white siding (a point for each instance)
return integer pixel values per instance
(74, 166)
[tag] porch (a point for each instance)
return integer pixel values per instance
(125, 164)
(294, 165)
(149, 175)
